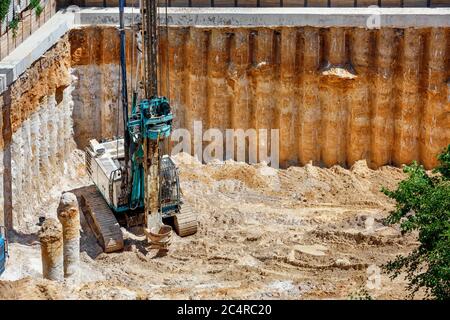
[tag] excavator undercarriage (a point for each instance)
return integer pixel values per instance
(101, 202)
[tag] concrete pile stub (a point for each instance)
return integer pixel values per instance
(51, 238)
(69, 216)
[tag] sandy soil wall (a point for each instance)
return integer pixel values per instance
(95, 59)
(337, 95)
(37, 136)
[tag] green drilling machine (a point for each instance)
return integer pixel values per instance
(136, 181)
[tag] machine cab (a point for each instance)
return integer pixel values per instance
(103, 164)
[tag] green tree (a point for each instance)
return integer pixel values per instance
(423, 205)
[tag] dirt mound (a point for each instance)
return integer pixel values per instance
(264, 233)
(30, 289)
(245, 173)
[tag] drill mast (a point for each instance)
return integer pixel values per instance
(149, 32)
(150, 121)
(152, 148)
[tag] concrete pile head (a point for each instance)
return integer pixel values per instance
(51, 238)
(69, 216)
(68, 213)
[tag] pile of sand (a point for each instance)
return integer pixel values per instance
(263, 233)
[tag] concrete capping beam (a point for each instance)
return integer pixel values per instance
(278, 17)
(45, 37)
(20, 59)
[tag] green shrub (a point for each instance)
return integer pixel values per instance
(36, 4)
(14, 25)
(360, 294)
(4, 6)
(423, 205)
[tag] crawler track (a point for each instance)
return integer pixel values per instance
(185, 221)
(101, 220)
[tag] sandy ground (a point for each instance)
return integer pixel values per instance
(300, 233)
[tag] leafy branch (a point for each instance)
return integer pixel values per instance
(423, 205)
(14, 25)
(36, 4)
(4, 7)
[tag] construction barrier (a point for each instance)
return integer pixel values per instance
(21, 21)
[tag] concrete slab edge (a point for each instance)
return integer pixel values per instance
(279, 17)
(20, 59)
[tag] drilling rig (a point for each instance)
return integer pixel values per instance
(136, 181)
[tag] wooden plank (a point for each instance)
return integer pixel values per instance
(179, 3)
(112, 3)
(317, 3)
(391, 3)
(3, 46)
(53, 7)
(92, 3)
(42, 18)
(11, 46)
(201, 3)
(440, 3)
(294, 3)
(19, 35)
(34, 22)
(367, 3)
(414, 3)
(247, 3)
(224, 3)
(48, 11)
(269, 3)
(342, 3)
(82, 3)
(26, 16)
(3, 26)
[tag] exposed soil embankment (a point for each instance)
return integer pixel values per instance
(48, 76)
(337, 95)
(264, 233)
(37, 146)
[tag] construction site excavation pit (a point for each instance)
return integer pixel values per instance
(349, 106)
